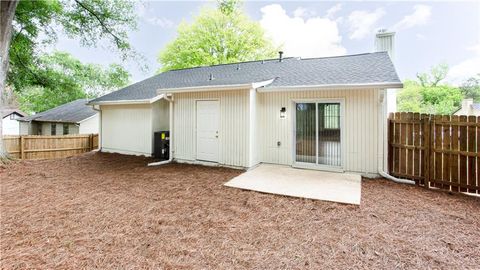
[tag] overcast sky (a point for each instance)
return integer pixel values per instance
(428, 32)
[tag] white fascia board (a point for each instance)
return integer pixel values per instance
(126, 102)
(387, 85)
(245, 86)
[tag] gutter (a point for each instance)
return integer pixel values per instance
(170, 116)
(99, 127)
(383, 143)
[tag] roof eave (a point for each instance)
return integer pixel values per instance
(205, 88)
(126, 101)
(383, 85)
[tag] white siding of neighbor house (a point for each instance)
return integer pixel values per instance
(128, 129)
(89, 125)
(10, 126)
(25, 128)
(234, 126)
(360, 126)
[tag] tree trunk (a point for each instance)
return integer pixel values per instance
(7, 12)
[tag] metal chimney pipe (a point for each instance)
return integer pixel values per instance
(280, 56)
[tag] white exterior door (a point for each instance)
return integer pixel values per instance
(208, 118)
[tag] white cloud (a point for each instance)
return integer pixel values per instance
(333, 10)
(362, 22)
(302, 12)
(420, 16)
(162, 22)
(144, 12)
(312, 37)
(467, 68)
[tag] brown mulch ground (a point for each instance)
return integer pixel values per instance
(111, 211)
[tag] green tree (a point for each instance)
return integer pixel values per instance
(65, 78)
(471, 88)
(26, 27)
(428, 95)
(217, 36)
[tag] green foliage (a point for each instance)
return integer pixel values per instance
(440, 99)
(471, 88)
(217, 36)
(42, 81)
(437, 74)
(62, 78)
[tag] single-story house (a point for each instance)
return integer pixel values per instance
(322, 113)
(10, 125)
(468, 108)
(71, 118)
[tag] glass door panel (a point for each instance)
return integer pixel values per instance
(305, 132)
(329, 144)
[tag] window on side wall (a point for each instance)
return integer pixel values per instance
(65, 129)
(53, 130)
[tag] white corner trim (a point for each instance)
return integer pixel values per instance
(389, 85)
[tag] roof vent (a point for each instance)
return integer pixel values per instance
(280, 56)
(263, 61)
(238, 67)
(211, 78)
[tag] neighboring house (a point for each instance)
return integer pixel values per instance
(469, 108)
(10, 125)
(321, 113)
(71, 118)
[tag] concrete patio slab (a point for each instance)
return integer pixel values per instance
(311, 184)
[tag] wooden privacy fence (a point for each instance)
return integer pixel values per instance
(48, 147)
(436, 151)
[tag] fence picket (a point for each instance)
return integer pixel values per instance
(455, 178)
(472, 142)
(446, 145)
(463, 159)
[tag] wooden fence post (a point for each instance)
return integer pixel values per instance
(90, 142)
(22, 147)
(426, 159)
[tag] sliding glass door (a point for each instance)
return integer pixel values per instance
(318, 133)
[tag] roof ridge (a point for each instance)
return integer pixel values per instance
(339, 56)
(226, 64)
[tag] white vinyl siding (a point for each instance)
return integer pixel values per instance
(234, 125)
(10, 126)
(89, 125)
(127, 129)
(360, 131)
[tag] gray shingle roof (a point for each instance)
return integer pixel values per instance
(72, 112)
(369, 68)
(7, 112)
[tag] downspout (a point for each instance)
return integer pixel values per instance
(170, 124)
(383, 144)
(100, 137)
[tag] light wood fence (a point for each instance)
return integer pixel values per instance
(436, 151)
(48, 147)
